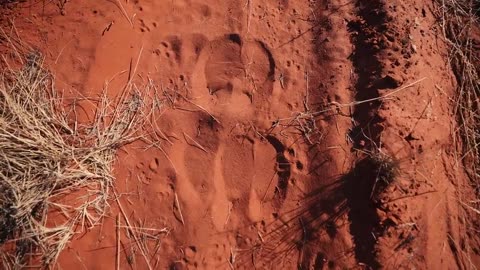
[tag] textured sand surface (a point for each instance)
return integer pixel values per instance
(256, 168)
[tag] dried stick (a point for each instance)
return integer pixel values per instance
(117, 262)
(177, 204)
(196, 144)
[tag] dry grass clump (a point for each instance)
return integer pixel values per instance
(50, 163)
(386, 170)
(459, 20)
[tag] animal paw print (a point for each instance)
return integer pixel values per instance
(183, 52)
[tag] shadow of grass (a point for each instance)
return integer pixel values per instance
(289, 235)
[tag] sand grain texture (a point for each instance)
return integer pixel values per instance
(254, 168)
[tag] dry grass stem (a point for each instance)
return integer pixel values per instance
(194, 143)
(177, 205)
(117, 257)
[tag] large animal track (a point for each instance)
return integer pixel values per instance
(232, 78)
(231, 67)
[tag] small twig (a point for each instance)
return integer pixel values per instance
(410, 196)
(421, 115)
(124, 12)
(260, 237)
(200, 107)
(107, 28)
(231, 260)
(61, 51)
(230, 207)
(469, 207)
(177, 205)
(249, 14)
(164, 230)
(305, 101)
(196, 144)
(340, 105)
(268, 187)
(117, 261)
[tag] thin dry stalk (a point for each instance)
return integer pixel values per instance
(194, 143)
(117, 258)
(177, 205)
(335, 106)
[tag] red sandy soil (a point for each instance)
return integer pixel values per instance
(264, 190)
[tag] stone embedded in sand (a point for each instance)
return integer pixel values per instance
(153, 165)
(190, 252)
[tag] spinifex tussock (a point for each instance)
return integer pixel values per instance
(45, 157)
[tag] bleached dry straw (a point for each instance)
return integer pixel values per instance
(50, 163)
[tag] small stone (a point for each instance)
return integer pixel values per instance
(381, 214)
(390, 37)
(178, 265)
(190, 252)
(414, 48)
(417, 21)
(153, 165)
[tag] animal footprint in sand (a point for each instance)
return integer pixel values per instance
(234, 66)
(230, 71)
(182, 52)
(283, 170)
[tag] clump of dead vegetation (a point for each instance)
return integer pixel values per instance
(459, 20)
(386, 170)
(383, 168)
(51, 163)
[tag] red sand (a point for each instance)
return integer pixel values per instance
(268, 191)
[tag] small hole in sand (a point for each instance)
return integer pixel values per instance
(299, 165)
(235, 38)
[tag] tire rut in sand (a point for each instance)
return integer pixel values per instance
(364, 221)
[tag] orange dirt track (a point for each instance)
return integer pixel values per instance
(272, 110)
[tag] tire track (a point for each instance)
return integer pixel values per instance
(371, 20)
